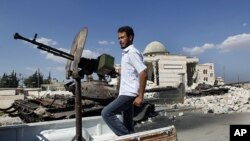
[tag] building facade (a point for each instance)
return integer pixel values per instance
(166, 69)
(205, 73)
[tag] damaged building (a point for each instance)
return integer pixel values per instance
(165, 69)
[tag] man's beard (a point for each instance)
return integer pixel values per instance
(126, 45)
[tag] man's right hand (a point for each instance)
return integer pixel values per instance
(138, 101)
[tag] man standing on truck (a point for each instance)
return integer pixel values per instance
(132, 85)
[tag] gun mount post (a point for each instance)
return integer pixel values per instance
(78, 109)
(76, 50)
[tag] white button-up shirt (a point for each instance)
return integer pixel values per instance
(131, 65)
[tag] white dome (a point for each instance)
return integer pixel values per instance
(155, 47)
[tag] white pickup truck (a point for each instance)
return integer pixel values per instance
(93, 129)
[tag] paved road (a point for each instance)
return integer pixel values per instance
(195, 126)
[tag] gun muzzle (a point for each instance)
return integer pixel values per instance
(16, 36)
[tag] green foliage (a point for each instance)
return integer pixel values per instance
(33, 81)
(9, 81)
(48, 80)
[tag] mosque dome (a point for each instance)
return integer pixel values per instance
(155, 47)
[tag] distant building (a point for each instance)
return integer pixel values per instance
(54, 85)
(166, 69)
(117, 68)
(219, 81)
(205, 73)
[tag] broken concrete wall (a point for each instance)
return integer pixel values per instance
(236, 100)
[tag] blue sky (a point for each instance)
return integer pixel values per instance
(215, 31)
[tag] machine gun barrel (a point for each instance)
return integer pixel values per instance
(45, 47)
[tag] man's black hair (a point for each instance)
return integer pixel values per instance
(129, 30)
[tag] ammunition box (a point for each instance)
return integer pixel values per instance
(105, 64)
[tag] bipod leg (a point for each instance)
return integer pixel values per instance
(78, 109)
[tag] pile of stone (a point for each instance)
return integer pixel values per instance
(236, 100)
(6, 120)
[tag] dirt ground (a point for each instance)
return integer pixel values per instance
(7, 100)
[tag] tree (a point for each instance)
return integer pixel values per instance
(9, 81)
(48, 80)
(35, 80)
(3, 80)
(13, 80)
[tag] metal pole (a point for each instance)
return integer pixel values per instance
(78, 109)
(38, 81)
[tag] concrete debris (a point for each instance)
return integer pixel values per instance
(172, 117)
(236, 100)
(40, 110)
(6, 120)
(163, 113)
(150, 120)
(181, 114)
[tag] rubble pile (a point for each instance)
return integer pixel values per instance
(6, 120)
(236, 100)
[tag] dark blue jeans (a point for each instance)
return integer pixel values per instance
(121, 105)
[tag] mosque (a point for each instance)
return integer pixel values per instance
(165, 69)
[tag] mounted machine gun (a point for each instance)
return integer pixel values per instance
(89, 97)
(77, 67)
